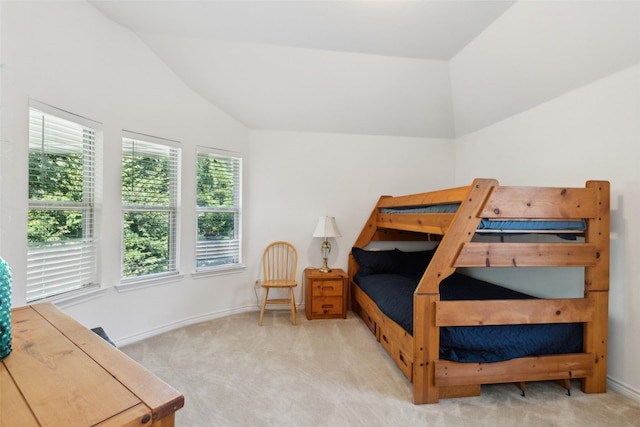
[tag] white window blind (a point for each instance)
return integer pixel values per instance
(61, 250)
(219, 195)
(150, 195)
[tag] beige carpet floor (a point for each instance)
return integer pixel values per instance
(333, 373)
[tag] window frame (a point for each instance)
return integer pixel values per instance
(62, 268)
(173, 208)
(236, 210)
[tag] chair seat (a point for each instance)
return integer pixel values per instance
(279, 284)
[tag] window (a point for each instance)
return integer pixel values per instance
(150, 196)
(61, 245)
(219, 242)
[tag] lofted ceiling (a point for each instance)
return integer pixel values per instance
(425, 29)
(424, 68)
(364, 67)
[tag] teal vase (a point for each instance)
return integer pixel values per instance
(5, 309)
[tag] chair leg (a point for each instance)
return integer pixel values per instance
(293, 306)
(264, 303)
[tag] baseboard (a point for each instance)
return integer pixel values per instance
(196, 319)
(179, 324)
(624, 389)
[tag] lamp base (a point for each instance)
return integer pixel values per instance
(325, 268)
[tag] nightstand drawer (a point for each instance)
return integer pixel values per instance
(327, 288)
(327, 306)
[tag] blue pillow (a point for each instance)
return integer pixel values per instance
(415, 262)
(377, 262)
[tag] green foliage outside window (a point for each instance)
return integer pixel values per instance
(62, 253)
(148, 199)
(146, 180)
(215, 190)
(146, 186)
(218, 211)
(146, 243)
(55, 177)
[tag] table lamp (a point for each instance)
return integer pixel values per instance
(326, 228)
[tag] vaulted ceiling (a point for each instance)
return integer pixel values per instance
(354, 66)
(365, 67)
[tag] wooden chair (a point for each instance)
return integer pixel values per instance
(279, 264)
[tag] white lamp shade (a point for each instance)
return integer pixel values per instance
(326, 227)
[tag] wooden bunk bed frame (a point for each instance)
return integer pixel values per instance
(418, 355)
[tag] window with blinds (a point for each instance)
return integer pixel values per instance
(150, 197)
(219, 242)
(61, 245)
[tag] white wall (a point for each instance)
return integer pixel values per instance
(537, 51)
(590, 133)
(68, 55)
(296, 177)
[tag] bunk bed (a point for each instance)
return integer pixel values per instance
(452, 218)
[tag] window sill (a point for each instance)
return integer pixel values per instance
(218, 271)
(135, 284)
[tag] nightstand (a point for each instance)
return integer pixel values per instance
(325, 294)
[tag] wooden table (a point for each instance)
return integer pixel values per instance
(63, 374)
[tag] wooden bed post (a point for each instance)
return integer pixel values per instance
(597, 288)
(426, 334)
(426, 349)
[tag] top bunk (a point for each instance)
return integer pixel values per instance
(454, 216)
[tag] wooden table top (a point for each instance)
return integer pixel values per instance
(62, 374)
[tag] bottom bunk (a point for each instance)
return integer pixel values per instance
(383, 296)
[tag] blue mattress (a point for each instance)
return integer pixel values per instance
(393, 294)
(499, 225)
